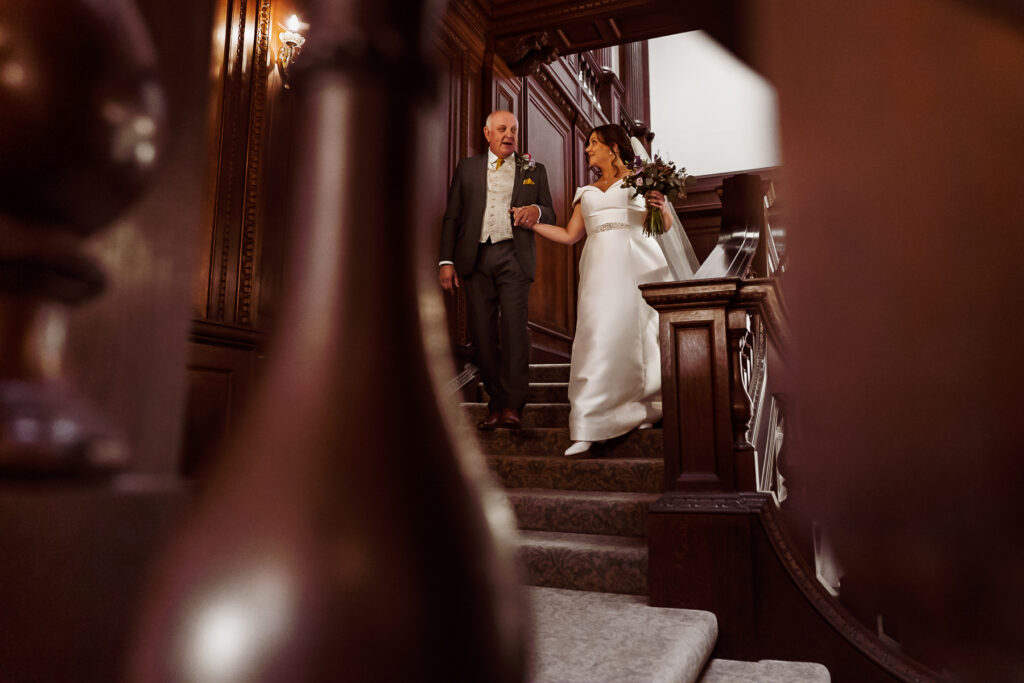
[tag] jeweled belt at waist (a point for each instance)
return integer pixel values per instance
(610, 226)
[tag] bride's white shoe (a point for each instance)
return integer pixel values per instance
(578, 449)
(646, 425)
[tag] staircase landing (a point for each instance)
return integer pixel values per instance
(591, 637)
(587, 637)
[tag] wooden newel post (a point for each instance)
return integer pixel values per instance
(707, 521)
(78, 139)
(700, 406)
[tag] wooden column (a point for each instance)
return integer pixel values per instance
(696, 392)
(349, 520)
(76, 548)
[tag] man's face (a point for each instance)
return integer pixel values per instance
(502, 134)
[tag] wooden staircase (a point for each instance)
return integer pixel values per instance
(583, 522)
(584, 552)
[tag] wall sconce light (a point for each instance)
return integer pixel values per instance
(291, 44)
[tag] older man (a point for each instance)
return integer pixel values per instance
(480, 250)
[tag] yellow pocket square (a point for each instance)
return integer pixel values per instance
(529, 181)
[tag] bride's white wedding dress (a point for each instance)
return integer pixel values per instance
(615, 373)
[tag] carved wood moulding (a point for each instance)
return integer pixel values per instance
(569, 106)
(740, 366)
(761, 296)
(571, 26)
(733, 503)
(254, 165)
(226, 175)
(764, 297)
(234, 276)
(472, 13)
(513, 13)
(771, 478)
(524, 54)
(692, 294)
(592, 24)
(452, 37)
(828, 607)
(757, 362)
(465, 29)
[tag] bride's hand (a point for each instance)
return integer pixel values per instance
(525, 216)
(656, 200)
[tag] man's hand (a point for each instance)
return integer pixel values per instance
(525, 216)
(448, 278)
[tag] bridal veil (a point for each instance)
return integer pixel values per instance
(679, 253)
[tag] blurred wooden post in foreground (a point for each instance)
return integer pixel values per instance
(348, 534)
(102, 134)
(78, 145)
(902, 140)
(906, 305)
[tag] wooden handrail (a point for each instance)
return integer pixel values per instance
(747, 243)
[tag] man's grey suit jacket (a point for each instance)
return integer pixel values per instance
(464, 215)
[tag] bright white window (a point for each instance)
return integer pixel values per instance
(710, 112)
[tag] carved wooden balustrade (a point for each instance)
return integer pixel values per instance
(719, 537)
(716, 331)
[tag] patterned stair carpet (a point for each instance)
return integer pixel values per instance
(583, 521)
(588, 637)
(730, 671)
(583, 549)
(604, 637)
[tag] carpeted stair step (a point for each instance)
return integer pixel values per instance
(586, 562)
(638, 475)
(582, 512)
(539, 392)
(765, 671)
(554, 440)
(534, 414)
(607, 638)
(549, 372)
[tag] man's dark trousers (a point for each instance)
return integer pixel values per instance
(497, 283)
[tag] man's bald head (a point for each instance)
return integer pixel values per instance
(502, 132)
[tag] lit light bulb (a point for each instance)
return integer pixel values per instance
(293, 23)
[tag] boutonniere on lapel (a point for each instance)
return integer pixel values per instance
(525, 163)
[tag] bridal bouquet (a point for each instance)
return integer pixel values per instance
(657, 175)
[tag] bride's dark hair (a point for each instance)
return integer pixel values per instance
(614, 135)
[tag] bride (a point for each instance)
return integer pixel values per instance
(615, 371)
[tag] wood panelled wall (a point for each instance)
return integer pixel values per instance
(557, 106)
(243, 238)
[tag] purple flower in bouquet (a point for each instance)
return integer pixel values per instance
(658, 175)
